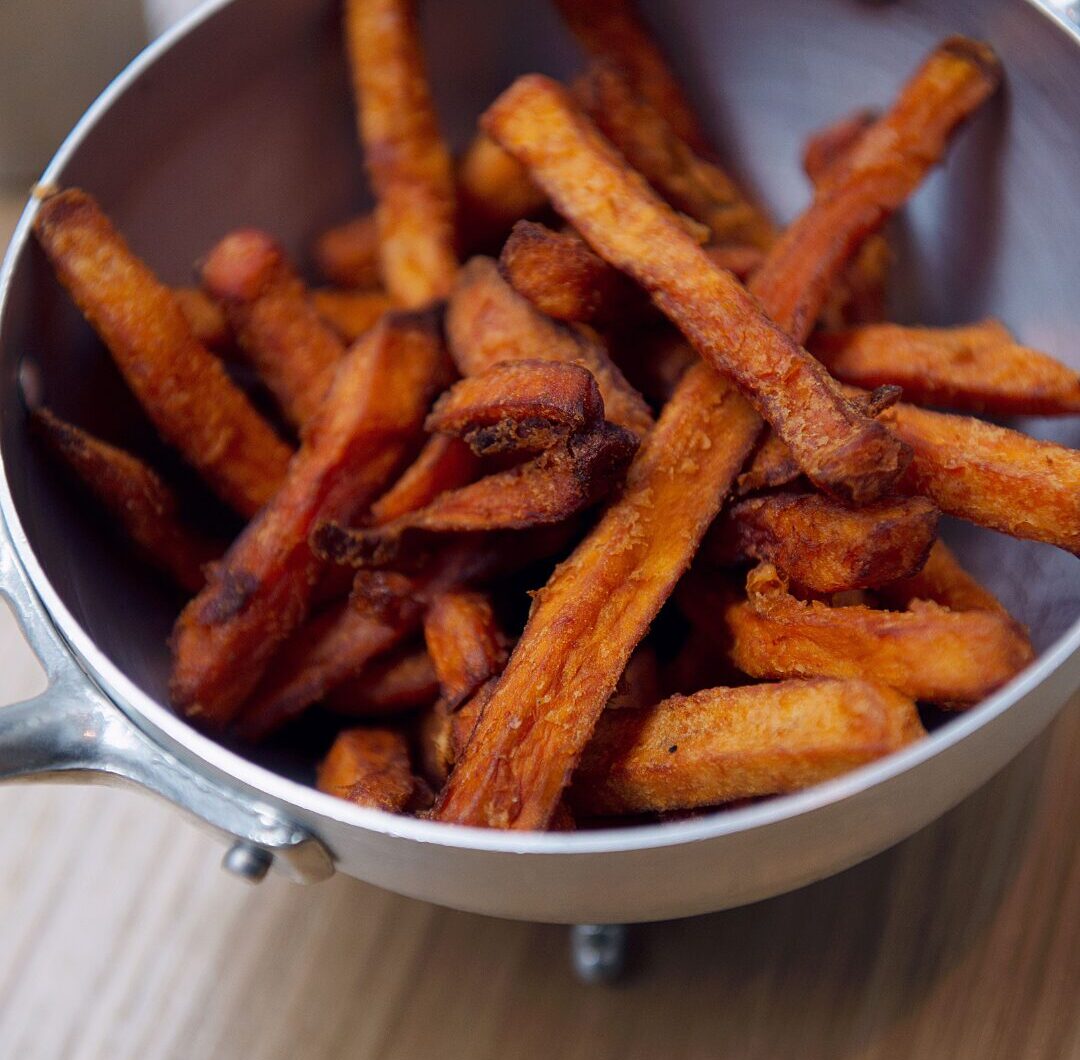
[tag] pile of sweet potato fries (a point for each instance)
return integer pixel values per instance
(580, 352)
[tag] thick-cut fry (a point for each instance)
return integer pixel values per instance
(348, 254)
(205, 318)
(736, 743)
(488, 322)
(371, 768)
(826, 547)
(464, 642)
(827, 146)
(841, 450)
(927, 652)
(400, 682)
(410, 167)
(494, 191)
(181, 385)
(941, 581)
(859, 193)
(644, 135)
(587, 620)
(978, 368)
(445, 463)
(613, 30)
(350, 313)
(261, 590)
(275, 322)
(134, 496)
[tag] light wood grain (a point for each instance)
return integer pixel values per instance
(119, 938)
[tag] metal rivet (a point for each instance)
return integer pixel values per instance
(247, 861)
(598, 951)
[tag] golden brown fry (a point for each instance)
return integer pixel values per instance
(410, 167)
(205, 318)
(181, 385)
(371, 768)
(644, 135)
(927, 652)
(735, 743)
(941, 581)
(261, 591)
(395, 684)
(348, 254)
(350, 313)
(134, 496)
(275, 322)
(842, 451)
(464, 642)
(613, 30)
(445, 463)
(827, 146)
(859, 193)
(826, 547)
(977, 368)
(488, 322)
(494, 191)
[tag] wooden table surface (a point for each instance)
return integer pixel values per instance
(119, 938)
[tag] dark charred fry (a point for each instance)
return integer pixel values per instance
(826, 547)
(941, 581)
(445, 463)
(348, 254)
(410, 167)
(275, 323)
(261, 591)
(205, 318)
(927, 652)
(181, 385)
(735, 743)
(464, 642)
(134, 496)
(976, 368)
(350, 313)
(371, 768)
(396, 684)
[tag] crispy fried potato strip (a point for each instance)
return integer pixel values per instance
(350, 313)
(464, 642)
(488, 322)
(410, 166)
(724, 744)
(826, 547)
(445, 463)
(347, 255)
(181, 385)
(276, 324)
(927, 652)
(842, 451)
(262, 589)
(371, 768)
(398, 683)
(941, 581)
(135, 496)
(206, 319)
(976, 368)
(494, 191)
(828, 145)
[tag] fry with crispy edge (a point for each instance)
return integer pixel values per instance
(927, 652)
(276, 324)
(842, 451)
(488, 322)
(941, 581)
(350, 313)
(262, 589)
(395, 684)
(205, 318)
(410, 167)
(348, 254)
(135, 496)
(975, 368)
(445, 463)
(182, 386)
(370, 767)
(724, 744)
(824, 546)
(464, 643)
(644, 136)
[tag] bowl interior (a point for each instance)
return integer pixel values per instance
(247, 120)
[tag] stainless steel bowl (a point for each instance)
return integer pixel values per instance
(242, 116)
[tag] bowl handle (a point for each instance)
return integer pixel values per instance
(73, 732)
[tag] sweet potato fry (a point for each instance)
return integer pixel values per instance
(735, 743)
(927, 652)
(613, 30)
(494, 191)
(445, 463)
(181, 385)
(276, 324)
(348, 254)
(824, 546)
(371, 768)
(977, 368)
(350, 313)
(205, 318)
(827, 146)
(859, 193)
(941, 581)
(488, 322)
(262, 589)
(410, 167)
(464, 642)
(398, 683)
(133, 494)
(643, 134)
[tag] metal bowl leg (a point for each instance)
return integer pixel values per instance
(598, 951)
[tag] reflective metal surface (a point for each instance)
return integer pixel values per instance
(243, 117)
